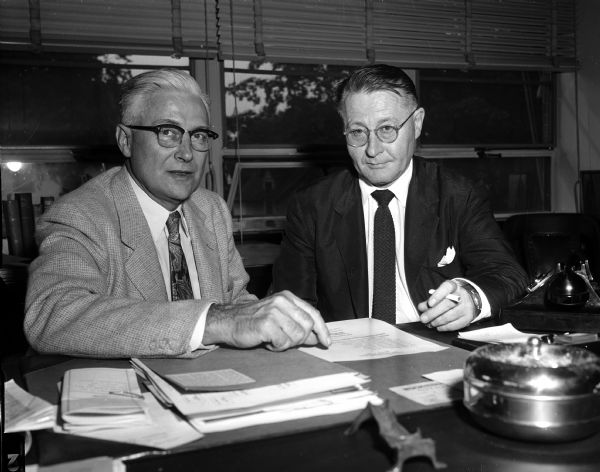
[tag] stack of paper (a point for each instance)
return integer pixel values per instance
(25, 412)
(101, 398)
(303, 397)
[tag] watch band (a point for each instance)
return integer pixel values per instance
(473, 293)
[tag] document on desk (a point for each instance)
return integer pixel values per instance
(368, 338)
(354, 399)
(26, 412)
(505, 333)
(165, 430)
(101, 398)
(301, 398)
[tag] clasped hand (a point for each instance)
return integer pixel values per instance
(446, 315)
(280, 321)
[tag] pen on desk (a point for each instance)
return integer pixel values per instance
(450, 296)
(127, 394)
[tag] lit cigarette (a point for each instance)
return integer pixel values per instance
(450, 296)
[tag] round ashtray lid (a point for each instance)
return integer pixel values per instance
(535, 367)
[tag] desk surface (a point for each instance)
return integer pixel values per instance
(317, 446)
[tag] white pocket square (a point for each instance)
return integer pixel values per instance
(448, 257)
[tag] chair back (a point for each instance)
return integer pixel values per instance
(541, 240)
(13, 288)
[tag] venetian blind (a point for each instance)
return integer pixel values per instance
(160, 27)
(519, 34)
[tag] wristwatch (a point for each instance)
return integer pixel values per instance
(473, 293)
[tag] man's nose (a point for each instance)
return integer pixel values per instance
(184, 150)
(374, 145)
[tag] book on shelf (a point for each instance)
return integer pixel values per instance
(46, 203)
(27, 216)
(12, 223)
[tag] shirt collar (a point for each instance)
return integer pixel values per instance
(156, 215)
(399, 186)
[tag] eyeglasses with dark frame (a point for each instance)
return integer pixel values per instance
(170, 135)
(386, 133)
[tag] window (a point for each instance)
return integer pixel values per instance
(65, 100)
(514, 184)
(276, 105)
(58, 117)
(283, 105)
(487, 108)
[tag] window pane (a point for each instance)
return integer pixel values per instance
(492, 108)
(65, 100)
(514, 184)
(285, 105)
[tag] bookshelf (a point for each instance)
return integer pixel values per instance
(32, 178)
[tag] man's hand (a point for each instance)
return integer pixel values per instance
(280, 321)
(446, 315)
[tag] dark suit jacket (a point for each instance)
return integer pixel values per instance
(323, 254)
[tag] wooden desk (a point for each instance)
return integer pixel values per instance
(314, 447)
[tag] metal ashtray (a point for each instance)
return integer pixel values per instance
(534, 391)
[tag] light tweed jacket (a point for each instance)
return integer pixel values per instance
(97, 289)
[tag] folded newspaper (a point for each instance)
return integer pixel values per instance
(26, 412)
(101, 398)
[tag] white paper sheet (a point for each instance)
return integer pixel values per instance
(304, 398)
(428, 393)
(215, 404)
(368, 338)
(323, 406)
(101, 398)
(164, 431)
(26, 412)
(505, 333)
(452, 377)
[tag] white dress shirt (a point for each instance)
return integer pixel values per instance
(156, 215)
(406, 310)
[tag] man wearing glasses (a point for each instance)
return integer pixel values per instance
(399, 239)
(140, 261)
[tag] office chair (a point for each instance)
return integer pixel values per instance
(13, 288)
(541, 240)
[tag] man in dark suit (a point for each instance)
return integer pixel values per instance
(140, 261)
(400, 238)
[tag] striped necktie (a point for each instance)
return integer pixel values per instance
(181, 287)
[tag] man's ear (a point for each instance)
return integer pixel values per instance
(419, 116)
(123, 135)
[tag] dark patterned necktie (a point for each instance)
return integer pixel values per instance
(384, 259)
(181, 287)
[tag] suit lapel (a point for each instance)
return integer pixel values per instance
(142, 266)
(204, 247)
(421, 219)
(351, 244)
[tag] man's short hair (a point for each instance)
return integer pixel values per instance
(377, 77)
(137, 88)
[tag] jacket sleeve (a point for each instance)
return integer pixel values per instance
(82, 302)
(486, 256)
(295, 268)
